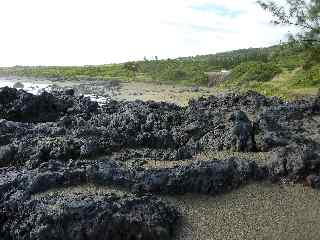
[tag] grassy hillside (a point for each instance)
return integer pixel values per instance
(113, 71)
(287, 73)
(278, 70)
(189, 70)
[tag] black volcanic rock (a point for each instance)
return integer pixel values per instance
(79, 128)
(89, 216)
(79, 215)
(20, 106)
(97, 215)
(296, 161)
(59, 139)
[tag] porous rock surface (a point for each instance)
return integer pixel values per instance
(76, 215)
(20, 106)
(60, 139)
(71, 127)
(107, 216)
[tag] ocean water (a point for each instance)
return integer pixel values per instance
(31, 87)
(37, 87)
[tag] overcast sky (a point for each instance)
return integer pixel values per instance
(83, 32)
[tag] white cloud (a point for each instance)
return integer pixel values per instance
(79, 32)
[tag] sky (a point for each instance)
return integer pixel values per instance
(90, 32)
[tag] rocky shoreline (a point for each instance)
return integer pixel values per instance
(60, 139)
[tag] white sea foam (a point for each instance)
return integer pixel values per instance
(37, 88)
(95, 98)
(31, 87)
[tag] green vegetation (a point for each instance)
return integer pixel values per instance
(254, 71)
(287, 74)
(287, 70)
(112, 71)
(307, 77)
(292, 69)
(303, 14)
(187, 71)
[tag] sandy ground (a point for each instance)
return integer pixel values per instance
(104, 90)
(256, 212)
(260, 158)
(161, 93)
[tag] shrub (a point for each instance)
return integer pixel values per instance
(254, 71)
(307, 77)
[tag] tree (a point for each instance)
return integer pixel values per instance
(132, 69)
(303, 14)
